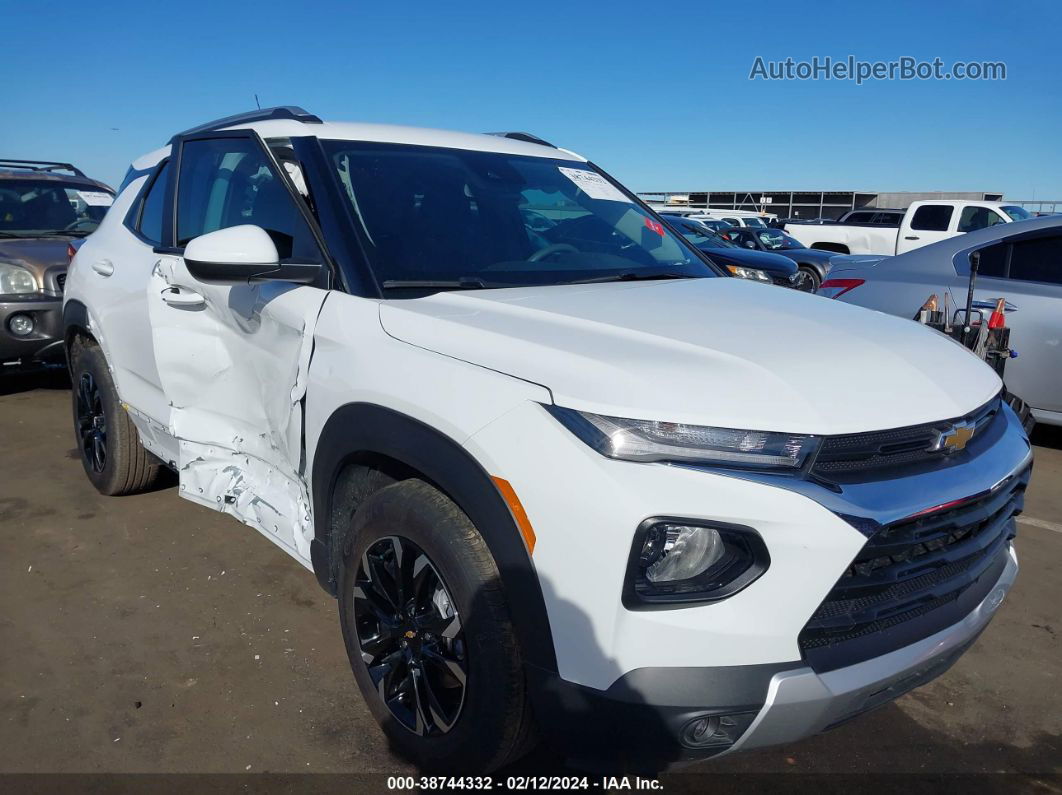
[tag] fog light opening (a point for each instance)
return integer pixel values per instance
(714, 731)
(21, 325)
(701, 731)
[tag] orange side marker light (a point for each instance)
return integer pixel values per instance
(518, 512)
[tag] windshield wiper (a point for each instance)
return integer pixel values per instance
(64, 233)
(464, 283)
(474, 283)
(633, 276)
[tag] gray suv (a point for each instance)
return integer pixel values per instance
(45, 208)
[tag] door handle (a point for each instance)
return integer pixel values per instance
(912, 237)
(104, 267)
(183, 298)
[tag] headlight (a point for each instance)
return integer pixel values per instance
(15, 280)
(650, 440)
(675, 561)
(748, 273)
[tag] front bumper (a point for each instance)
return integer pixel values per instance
(641, 718)
(800, 702)
(618, 669)
(44, 344)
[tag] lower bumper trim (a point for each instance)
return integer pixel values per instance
(801, 702)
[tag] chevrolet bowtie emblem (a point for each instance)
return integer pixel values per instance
(955, 439)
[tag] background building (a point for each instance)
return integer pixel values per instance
(809, 204)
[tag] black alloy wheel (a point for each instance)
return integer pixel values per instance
(91, 422)
(410, 636)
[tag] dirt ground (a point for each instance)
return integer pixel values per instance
(145, 634)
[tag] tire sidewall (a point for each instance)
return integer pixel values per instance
(414, 510)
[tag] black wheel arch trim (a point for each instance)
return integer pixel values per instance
(75, 319)
(358, 429)
(75, 315)
(819, 268)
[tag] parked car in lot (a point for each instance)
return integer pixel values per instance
(740, 218)
(873, 217)
(714, 224)
(813, 263)
(720, 216)
(758, 266)
(1021, 262)
(558, 476)
(923, 223)
(44, 206)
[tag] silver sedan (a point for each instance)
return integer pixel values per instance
(1021, 262)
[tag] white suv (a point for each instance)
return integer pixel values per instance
(565, 478)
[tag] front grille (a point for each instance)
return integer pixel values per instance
(915, 577)
(60, 281)
(879, 450)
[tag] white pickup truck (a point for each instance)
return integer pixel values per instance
(924, 222)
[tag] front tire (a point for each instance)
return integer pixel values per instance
(428, 633)
(111, 453)
(812, 280)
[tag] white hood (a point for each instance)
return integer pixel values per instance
(721, 352)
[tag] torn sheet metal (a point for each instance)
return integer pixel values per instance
(234, 370)
(250, 489)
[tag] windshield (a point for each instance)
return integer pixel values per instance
(753, 221)
(35, 208)
(703, 238)
(460, 218)
(777, 240)
(1016, 213)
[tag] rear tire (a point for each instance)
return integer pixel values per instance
(428, 633)
(111, 453)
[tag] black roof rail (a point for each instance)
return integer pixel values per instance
(42, 165)
(522, 136)
(290, 112)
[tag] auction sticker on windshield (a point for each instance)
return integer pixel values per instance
(96, 198)
(593, 184)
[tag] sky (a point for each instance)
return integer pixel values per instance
(658, 94)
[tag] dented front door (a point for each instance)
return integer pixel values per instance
(233, 363)
(232, 359)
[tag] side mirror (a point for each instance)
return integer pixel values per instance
(241, 254)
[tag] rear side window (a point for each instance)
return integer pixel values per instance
(226, 182)
(859, 218)
(1037, 260)
(932, 218)
(150, 225)
(974, 218)
(887, 219)
(994, 260)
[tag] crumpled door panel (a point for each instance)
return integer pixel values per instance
(233, 370)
